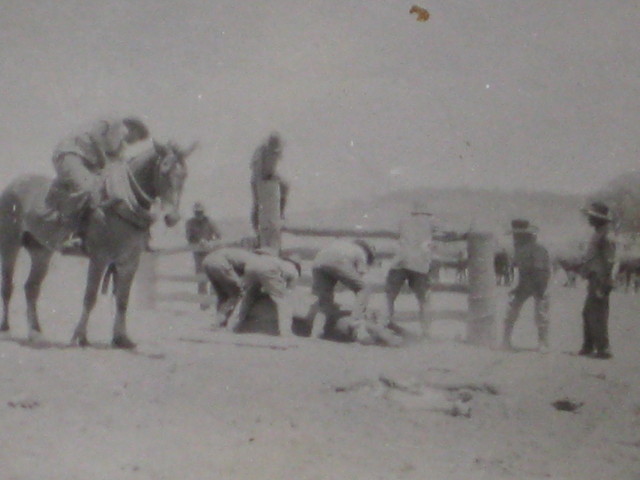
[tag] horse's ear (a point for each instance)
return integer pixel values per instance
(189, 150)
(159, 148)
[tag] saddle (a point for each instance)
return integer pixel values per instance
(116, 190)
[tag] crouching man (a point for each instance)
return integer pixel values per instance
(238, 276)
(265, 272)
(225, 268)
(346, 262)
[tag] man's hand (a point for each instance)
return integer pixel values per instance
(99, 216)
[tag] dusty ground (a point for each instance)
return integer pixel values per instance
(192, 403)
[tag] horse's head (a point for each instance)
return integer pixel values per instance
(169, 177)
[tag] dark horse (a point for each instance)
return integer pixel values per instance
(503, 267)
(114, 240)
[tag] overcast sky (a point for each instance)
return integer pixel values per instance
(538, 94)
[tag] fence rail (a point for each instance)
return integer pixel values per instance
(480, 288)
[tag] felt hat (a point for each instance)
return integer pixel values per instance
(368, 249)
(598, 210)
(295, 259)
(266, 251)
(520, 225)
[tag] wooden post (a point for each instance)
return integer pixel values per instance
(269, 221)
(481, 326)
(146, 280)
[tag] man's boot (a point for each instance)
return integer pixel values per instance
(75, 243)
(506, 337)
(543, 339)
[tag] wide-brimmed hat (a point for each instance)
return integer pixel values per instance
(369, 249)
(295, 259)
(520, 225)
(266, 251)
(598, 210)
(420, 207)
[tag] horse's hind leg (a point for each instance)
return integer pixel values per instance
(9, 257)
(40, 259)
(94, 275)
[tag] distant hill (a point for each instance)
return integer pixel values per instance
(557, 215)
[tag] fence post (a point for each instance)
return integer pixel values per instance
(481, 327)
(269, 220)
(146, 280)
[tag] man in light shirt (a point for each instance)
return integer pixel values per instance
(225, 268)
(344, 261)
(411, 263)
(266, 272)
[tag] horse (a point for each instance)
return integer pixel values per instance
(114, 238)
(572, 266)
(629, 273)
(503, 268)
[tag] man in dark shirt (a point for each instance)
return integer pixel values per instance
(534, 270)
(598, 268)
(201, 231)
(264, 165)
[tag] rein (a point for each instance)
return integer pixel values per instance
(143, 199)
(135, 207)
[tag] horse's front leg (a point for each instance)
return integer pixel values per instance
(124, 275)
(94, 275)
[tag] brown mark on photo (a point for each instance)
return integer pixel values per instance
(422, 15)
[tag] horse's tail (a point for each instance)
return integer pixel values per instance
(109, 272)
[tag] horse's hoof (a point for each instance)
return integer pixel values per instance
(79, 340)
(35, 336)
(123, 342)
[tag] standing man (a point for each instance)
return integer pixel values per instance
(264, 165)
(345, 261)
(599, 268)
(201, 231)
(534, 271)
(225, 268)
(412, 263)
(274, 276)
(78, 161)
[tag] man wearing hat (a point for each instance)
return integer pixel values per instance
(534, 270)
(201, 231)
(347, 262)
(598, 268)
(78, 161)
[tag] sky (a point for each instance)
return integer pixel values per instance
(532, 94)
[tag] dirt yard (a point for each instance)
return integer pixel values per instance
(194, 404)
